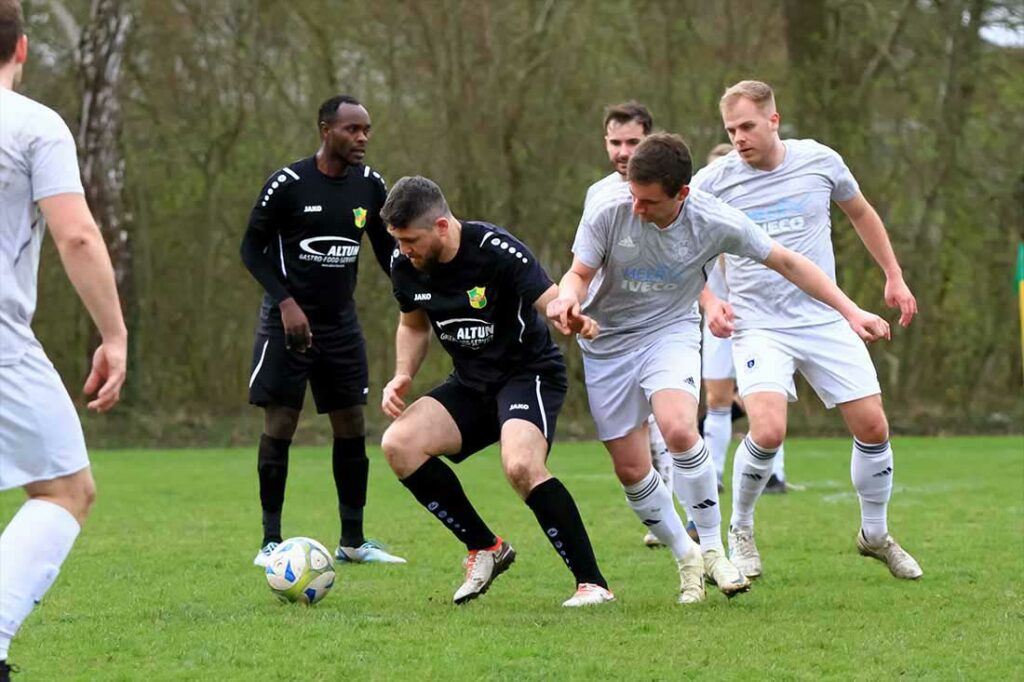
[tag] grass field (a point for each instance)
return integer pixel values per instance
(161, 586)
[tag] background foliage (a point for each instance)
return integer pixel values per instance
(501, 103)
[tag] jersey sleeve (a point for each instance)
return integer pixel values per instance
(517, 265)
(590, 244)
(844, 185)
(54, 160)
(381, 242)
(405, 301)
(267, 215)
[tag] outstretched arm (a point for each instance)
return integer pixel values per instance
(564, 310)
(871, 231)
(411, 342)
(809, 277)
(583, 325)
(87, 264)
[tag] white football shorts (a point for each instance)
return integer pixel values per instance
(831, 357)
(40, 434)
(716, 357)
(619, 389)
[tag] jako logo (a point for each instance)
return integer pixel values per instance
(421, 297)
(313, 209)
(518, 406)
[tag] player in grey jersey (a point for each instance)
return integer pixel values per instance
(637, 271)
(41, 446)
(787, 187)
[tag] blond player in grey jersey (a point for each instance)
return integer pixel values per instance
(637, 270)
(786, 187)
(41, 445)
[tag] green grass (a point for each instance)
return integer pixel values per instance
(160, 585)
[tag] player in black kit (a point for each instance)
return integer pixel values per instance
(480, 289)
(302, 245)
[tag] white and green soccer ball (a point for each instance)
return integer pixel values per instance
(300, 570)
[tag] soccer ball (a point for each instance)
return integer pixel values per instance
(300, 570)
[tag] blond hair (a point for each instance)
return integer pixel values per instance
(758, 92)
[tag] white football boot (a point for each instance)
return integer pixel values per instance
(743, 552)
(899, 561)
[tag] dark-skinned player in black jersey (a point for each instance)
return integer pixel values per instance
(302, 245)
(480, 290)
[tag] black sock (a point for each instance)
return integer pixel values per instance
(437, 488)
(272, 466)
(351, 471)
(558, 516)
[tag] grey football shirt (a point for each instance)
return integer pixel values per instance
(37, 160)
(648, 278)
(791, 204)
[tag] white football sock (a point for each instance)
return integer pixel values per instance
(717, 434)
(871, 470)
(32, 548)
(660, 457)
(751, 467)
(779, 466)
(652, 502)
(696, 486)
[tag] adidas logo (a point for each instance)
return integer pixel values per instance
(312, 209)
(706, 504)
(884, 472)
(756, 477)
(651, 522)
(627, 242)
(690, 381)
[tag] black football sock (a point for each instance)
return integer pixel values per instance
(436, 487)
(558, 516)
(272, 466)
(351, 472)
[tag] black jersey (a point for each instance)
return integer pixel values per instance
(480, 305)
(304, 237)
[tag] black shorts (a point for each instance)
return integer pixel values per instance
(536, 398)
(335, 368)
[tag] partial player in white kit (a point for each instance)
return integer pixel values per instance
(787, 186)
(625, 127)
(719, 376)
(637, 271)
(41, 445)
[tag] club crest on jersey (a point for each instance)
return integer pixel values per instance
(477, 297)
(360, 216)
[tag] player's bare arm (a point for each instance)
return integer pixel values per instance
(584, 325)
(718, 313)
(564, 310)
(809, 277)
(87, 264)
(412, 339)
(871, 230)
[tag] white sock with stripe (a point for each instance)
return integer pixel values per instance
(696, 486)
(779, 464)
(717, 434)
(871, 470)
(652, 502)
(751, 467)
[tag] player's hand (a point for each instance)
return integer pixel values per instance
(393, 404)
(898, 295)
(585, 326)
(109, 366)
(297, 334)
(720, 317)
(869, 327)
(564, 314)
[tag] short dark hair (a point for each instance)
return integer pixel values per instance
(629, 111)
(12, 27)
(329, 109)
(412, 198)
(663, 158)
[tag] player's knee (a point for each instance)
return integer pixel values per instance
(719, 398)
(349, 422)
(680, 437)
(525, 475)
(399, 448)
(630, 473)
(873, 432)
(280, 422)
(769, 435)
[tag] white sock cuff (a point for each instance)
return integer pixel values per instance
(62, 519)
(720, 411)
(643, 488)
(871, 449)
(693, 458)
(756, 451)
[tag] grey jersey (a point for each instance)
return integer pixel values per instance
(648, 279)
(791, 204)
(37, 160)
(614, 183)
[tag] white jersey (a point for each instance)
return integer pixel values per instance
(648, 279)
(37, 160)
(791, 204)
(614, 182)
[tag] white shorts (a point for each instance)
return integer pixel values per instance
(716, 357)
(40, 435)
(620, 388)
(831, 357)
